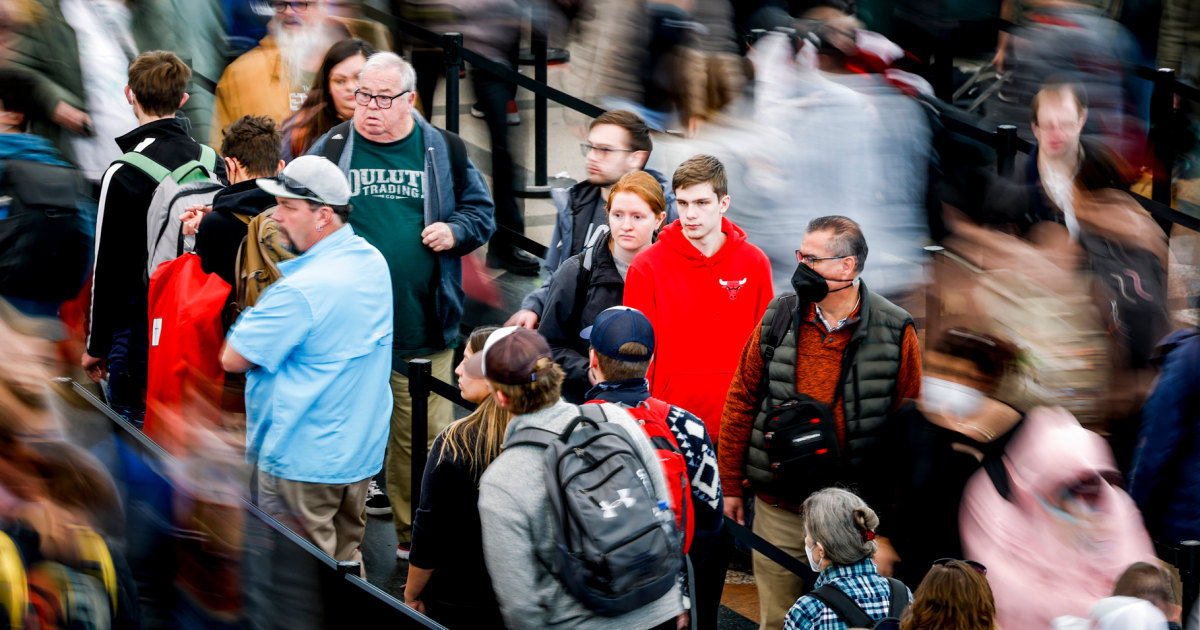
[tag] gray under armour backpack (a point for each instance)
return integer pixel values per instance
(617, 545)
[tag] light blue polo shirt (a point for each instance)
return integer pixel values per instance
(318, 402)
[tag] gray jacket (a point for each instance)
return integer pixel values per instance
(579, 211)
(518, 535)
(472, 219)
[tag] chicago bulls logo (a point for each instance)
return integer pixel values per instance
(733, 286)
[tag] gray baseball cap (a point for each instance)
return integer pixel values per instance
(310, 177)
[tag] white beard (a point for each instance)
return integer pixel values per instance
(299, 49)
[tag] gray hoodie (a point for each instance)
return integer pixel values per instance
(518, 535)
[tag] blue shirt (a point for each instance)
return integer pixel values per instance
(861, 581)
(318, 402)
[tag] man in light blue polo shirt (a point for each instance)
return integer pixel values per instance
(317, 349)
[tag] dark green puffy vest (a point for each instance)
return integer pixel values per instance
(868, 389)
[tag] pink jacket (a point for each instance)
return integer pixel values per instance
(1043, 563)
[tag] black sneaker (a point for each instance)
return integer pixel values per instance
(378, 503)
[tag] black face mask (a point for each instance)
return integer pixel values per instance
(811, 286)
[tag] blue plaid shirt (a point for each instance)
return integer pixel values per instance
(861, 581)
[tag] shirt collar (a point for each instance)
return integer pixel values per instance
(866, 566)
(841, 323)
(631, 392)
(342, 235)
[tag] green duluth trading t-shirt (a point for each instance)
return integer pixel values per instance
(387, 191)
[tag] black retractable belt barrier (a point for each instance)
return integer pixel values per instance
(775, 554)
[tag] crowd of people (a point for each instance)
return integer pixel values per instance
(996, 436)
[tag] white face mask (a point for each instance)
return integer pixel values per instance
(949, 398)
(812, 564)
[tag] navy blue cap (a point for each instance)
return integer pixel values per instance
(617, 326)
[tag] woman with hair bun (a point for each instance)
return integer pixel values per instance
(839, 539)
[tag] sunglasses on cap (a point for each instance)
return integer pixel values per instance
(296, 188)
(945, 562)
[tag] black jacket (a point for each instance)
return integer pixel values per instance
(221, 233)
(119, 289)
(562, 320)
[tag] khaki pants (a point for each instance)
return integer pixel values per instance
(778, 588)
(332, 516)
(399, 449)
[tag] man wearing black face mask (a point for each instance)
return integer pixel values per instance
(849, 357)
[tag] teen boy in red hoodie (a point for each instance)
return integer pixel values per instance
(704, 288)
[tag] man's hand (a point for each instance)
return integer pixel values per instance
(95, 367)
(438, 237)
(735, 509)
(524, 318)
(885, 557)
(191, 218)
(71, 118)
(416, 605)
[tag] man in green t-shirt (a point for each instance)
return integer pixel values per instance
(403, 192)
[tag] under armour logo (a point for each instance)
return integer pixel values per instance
(609, 509)
(733, 286)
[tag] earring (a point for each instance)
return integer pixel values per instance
(320, 227)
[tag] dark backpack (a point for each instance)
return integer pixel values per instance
(1136, 287)
(45, 242)
(653, 416)
(799, 435)
(617, 546)
(854, 616)
(333, 148)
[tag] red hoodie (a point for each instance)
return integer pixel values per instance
(703, 311)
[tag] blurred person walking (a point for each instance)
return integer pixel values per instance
(331, 99)
(1165, 478)
(956, 427)
(424, 205)
(316, 352)
(592, 281)
(47, 217)
(80, 52)
(447, 577)
(840, 543)
(274, 78)
(118, 337)
(618, 143)
(954, 595)
(833, 350)
(1053, 526)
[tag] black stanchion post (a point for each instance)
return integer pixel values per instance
(1162, 112)
(538, 42)
(420, 382)
(452, 44)
(1189, 557)
(1006, 149)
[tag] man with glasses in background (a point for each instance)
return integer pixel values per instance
(618, 143)
(273, 78)
(409, 204)
(846, 349)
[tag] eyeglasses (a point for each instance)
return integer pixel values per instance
(383, 101)
(809, 260)
(971, 563)
(586, 148)
(299, 6)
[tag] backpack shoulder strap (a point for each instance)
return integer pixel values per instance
(187, 167)
(779, 325)
(458, 162)
(898, 599)
(846, 609)
(208, 158)
(337, 141)
(152, 169)
(530, 436)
